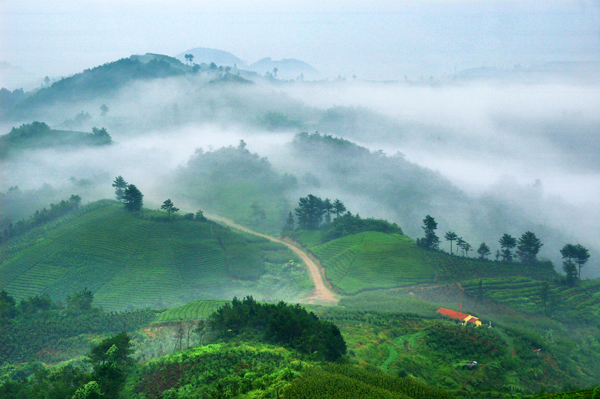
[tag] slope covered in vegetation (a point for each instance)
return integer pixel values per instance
(38, 135)
(135, 261)
(101, 81)
(238, 183)
(374, 260)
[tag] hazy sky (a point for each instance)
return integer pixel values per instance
(372, 39)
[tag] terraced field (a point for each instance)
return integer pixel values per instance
(130, 262)
(525, 295)
(195, 310)
(520, 293)
(373, 260)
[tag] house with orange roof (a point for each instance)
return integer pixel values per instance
(465, 318)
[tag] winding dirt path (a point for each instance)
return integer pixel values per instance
(321, 293)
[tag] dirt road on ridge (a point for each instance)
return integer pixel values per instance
(321, 292)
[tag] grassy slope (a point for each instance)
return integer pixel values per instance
(434, 351)
(525, 296)
(375, 260)
(129, 262)
(194, 310)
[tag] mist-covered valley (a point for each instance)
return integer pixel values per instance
(300, 199)
(484, 157)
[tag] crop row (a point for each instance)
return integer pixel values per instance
(195, 310)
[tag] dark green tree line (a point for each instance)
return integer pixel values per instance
(280, 324)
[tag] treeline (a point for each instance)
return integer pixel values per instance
(40, 135)
(281, 324)
(38, 328)
(526, 249)
(41, 216)
(333, 219)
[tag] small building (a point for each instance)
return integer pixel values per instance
(465, 318)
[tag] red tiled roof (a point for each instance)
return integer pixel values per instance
(452, 313)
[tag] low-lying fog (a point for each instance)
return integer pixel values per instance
(484, 132)
(500, 140)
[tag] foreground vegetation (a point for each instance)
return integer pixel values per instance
(251, 350)
(384, 340)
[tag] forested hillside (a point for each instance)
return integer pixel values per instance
(238, 183)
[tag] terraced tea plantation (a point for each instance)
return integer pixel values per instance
(195, 310)
(526, 296)
(373, 260)
(129, 262)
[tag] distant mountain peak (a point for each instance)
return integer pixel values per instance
(287, 68)
(208, 55)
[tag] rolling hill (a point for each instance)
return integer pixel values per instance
(130, 261)
(373, 260)
(100, 81)
(38, 135)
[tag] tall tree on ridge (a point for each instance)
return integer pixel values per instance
(483, 251)
(581, 256)
(328, 207)
(450, 236)
(528, 247)
(339, 208)
(169, 207)
(133, 198)
(575, 254)
(431, 241)
(507, 243)
(120, 185)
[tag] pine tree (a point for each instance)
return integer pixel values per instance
(431, 240)
(289, 223)
(133, 198)
(507, 243)
(339, 208)
(120, 185)
(528, 247)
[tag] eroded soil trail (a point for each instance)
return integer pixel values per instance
(321, 293)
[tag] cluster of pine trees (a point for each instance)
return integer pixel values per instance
(333, 219)
(527, 248)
